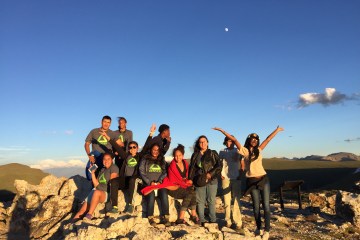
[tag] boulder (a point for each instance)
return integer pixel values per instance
(322, 201)
(348, 207)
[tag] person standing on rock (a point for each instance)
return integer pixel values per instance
(153, 170)
(205, 168)
(129, 172)
(233, 166)
(99, 193)
(99, 144)
(257, 181)
(125, 136)
(163, 139)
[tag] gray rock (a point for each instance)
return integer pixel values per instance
(348, 207)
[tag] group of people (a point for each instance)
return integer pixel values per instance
(195, 182)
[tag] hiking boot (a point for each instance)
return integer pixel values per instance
(152, 221)
(114, 209)
(165, 220)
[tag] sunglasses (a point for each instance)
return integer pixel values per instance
(132, 147)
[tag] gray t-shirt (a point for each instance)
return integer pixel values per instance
(131, 163)
(125, 137)
(104, 177)
(98, 142)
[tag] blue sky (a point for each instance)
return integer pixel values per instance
(65, 64)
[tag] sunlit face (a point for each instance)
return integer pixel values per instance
(229, 144)
(178, 156)
(155, 151)
(203, 144)
(253, 142)
(122, 124)
(105, 124)
(107, 161)
(133, 149)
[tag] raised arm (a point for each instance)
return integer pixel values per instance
(271, 136)
(232, 138)
(148, 140)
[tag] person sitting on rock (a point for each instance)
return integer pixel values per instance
(153, 170)
(179, 186)
(129, 172)
(99, 193)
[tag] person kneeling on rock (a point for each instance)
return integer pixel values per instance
(99, 193)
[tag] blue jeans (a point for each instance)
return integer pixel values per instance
(150, 200)
(265, 197)
(206, 193)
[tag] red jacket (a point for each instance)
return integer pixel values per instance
(172, 179)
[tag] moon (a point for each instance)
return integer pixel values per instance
(226, 29)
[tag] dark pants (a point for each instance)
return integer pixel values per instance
(163, 196)
(122, 183)
(265, 197)
(187, 194)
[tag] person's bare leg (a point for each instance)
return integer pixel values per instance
(81, 211)
(98, 197)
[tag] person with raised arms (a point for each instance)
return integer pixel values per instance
(257, 181)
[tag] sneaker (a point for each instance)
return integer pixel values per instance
(152, 221)
(114, 209)
(266, 235)
(195, 220)
(165, 220)
(180, 221)
(129, 209)
(89, 216)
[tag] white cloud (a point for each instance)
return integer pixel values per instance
(50, 163)
(69, 132)
(15, 149)
(330, 97)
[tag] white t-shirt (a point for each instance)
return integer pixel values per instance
(254, 168)
(231, 163)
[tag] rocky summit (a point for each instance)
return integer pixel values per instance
(44, 211)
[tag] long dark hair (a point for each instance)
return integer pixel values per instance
(197, 145)
(254, 154)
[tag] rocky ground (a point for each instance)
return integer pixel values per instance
(44, 212)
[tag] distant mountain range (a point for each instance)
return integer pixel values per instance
(66, 172)
(334, 157)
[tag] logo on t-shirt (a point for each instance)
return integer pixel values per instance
(102, 140)
(102, 179)
(132, 162)
(121, 137)
(154, 168)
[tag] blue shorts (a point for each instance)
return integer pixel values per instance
(89, 197)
